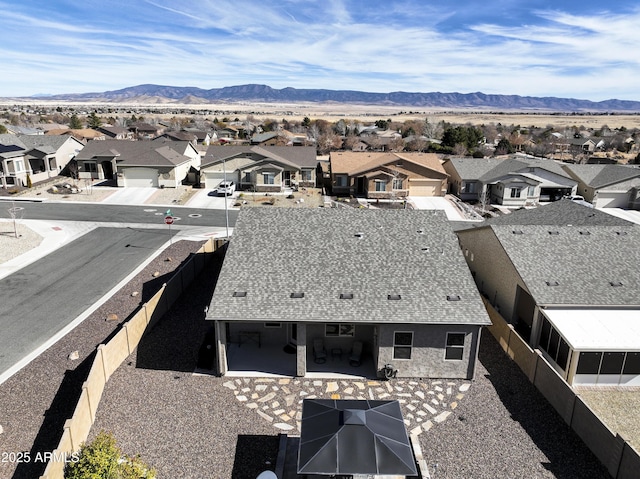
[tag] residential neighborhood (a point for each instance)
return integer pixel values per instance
(371, 263)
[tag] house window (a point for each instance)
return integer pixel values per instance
(269, 178)
(553, 344)
(247, 177)
(339, 330)
(515, 192)
(402, 344)
(397, 184)
(91, 167)
(455, 346)
(469, 187)
(531, 191)
(306, 175)
(381, 185)
(341, 180)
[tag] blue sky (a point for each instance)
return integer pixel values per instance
(577, 49)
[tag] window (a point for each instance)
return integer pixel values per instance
(589, 363)
(268, 178)
(341, 180)
(515, 192)
(339, 330)
(402, 344)
(247, 177)
(455, 346)
(470, 187)
(632, 364)
(306, 175)
(397, 184)
(531, 191)
(612, 363)
(381, 185)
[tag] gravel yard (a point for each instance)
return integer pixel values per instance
(193, 426)
(35, 402)
(12, 247)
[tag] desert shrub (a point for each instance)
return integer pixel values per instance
(102, 459)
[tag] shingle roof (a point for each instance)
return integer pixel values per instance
(355, 163)
(474, 168)
(585, 261)
(137, 153)
(598, 176)
(299, 156)
(325, 252)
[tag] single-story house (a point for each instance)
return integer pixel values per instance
(39, 156)
(161, 163)
(607, 186)
(514, 182)
(116, 132)
(571, 287)
(386, 175)
(320, 282)
(260, 168)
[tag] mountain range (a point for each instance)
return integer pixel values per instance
(151, 94)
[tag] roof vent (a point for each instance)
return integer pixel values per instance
(552, 283)
(621, 233)
(420, 231)
(239, 294)
(517, 232)
(453, 297)
(425, 249)
(584, 233)
(359, 235)
(554, 232)
(393, 297)
(296, 295)
(615, 284)
(346, 295)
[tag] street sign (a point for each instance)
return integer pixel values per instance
(168, 220)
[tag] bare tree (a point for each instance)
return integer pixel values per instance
(460, 149)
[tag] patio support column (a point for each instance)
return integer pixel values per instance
(301, 350)
(221, 349)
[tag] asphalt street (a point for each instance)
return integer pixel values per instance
(105, 213)
(40, 300)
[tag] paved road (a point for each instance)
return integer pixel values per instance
(146, 214)
(40, 300)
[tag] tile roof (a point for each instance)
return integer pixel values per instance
(585, 261)
(325, 252)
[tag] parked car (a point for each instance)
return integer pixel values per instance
(226, 188)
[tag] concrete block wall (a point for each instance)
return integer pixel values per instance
(109, 357)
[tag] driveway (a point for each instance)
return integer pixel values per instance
(437, 203)
(130, 196)
(203, 199)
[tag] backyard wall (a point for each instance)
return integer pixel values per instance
(619, 457)
(110, 356)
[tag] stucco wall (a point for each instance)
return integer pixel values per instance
(427, 357)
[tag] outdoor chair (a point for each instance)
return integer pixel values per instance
(355, 358)
(319, 353)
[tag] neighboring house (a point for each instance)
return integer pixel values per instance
(144, 131)
(179, 136)
(569, 283)
(228, 133)
(386, 175)
(260, 168)
(82, 134)
(608, 186)
(582, 145)
(202, 137)
(514, 182)
(116, 132)
(270, 138)
(160, 163)
(393, 280)
(39, 156)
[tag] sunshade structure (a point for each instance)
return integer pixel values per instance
(354, 437)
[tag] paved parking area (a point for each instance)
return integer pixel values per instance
(204, 199)
(129, 196)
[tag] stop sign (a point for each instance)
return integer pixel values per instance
(168, 220)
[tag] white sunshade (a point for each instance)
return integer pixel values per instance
(597, 329)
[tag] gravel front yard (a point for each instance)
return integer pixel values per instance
(193, 426)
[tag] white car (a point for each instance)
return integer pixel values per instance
(226, 188)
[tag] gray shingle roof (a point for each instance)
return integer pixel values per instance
(474, 168)
(275, 252)
(300, 156)
(137, 153)
(583, 260)
(598, 176)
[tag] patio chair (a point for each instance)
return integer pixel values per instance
(355, 358)
(319, 353)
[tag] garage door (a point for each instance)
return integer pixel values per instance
(141, 177)
(612, 200)
(214, 178)
(424, 187)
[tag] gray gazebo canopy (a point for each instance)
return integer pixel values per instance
(354, 437)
